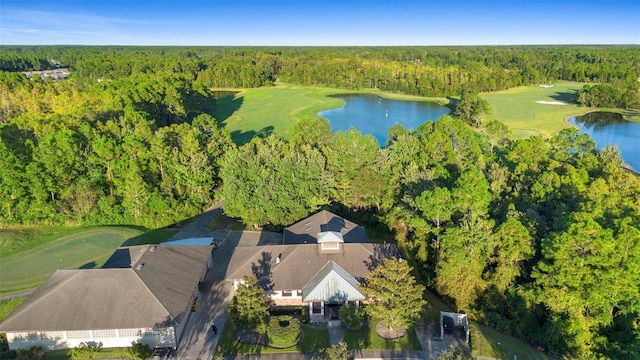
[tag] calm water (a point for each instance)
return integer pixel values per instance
(609, 128)
(373, 115)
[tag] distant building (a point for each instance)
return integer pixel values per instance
(142, 293)
(55, 74)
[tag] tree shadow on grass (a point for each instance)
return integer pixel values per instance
(242, 137)
(225, 107)
(89, 265)
(564, 96)
(155, 236)
(358, 339)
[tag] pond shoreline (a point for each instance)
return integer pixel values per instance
(625, 165)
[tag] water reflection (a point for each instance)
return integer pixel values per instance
(611, 128)
(374, 115)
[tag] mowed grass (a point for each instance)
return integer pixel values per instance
(313, 340)
(518, 108)
(262, 111)
(367, 339)
(79, 248)
(7, 306)
(487, 342)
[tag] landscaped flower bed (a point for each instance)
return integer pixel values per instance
(283, 331)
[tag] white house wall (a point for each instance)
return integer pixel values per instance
(106, 338)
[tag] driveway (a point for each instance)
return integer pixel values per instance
(198, 341)
(198, 226)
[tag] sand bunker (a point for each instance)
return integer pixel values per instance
(547, 86)
(551, 102)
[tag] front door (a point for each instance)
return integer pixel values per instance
(333, 311)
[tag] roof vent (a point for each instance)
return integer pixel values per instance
(139, 266)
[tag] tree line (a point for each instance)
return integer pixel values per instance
(427, 71)
(536, 237)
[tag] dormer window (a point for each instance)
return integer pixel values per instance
(330, 241)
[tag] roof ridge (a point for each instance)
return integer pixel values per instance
(148, 289)
(319, 271)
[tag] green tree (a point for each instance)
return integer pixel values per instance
(393, 295)
(268, 182)
(436, 206)
(250, 306)
(472, 108)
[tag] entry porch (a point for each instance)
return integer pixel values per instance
(321, 311)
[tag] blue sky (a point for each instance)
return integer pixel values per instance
(330, 22)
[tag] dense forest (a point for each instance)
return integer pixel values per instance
(539, 238)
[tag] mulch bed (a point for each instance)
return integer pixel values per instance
(390, 334)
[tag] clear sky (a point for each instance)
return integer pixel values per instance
(315, 22)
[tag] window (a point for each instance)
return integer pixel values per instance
(287, 293)
(317, 307)
(54, 334)
(331, 246)
(129, 332)
(78, 334)
(104, 333)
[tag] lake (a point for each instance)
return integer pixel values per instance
(610, 128)
(371, 114)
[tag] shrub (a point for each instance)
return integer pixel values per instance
(138, 350)
(455, 353)
(85, 351)
(283, 331)
(353, 317)
(33, 353)
(338, 351)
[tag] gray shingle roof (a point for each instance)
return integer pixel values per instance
(306, 231)
(141, 296)
(300, 263)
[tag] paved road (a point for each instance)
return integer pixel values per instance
(198, 225)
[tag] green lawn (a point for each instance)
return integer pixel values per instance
(488, 342)
(107, 353)
(368, 339)
(262, 111)
(16, 239)
(7, 306)
(40, 251)
(313, 340)
(518, 108)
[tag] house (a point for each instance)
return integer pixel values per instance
(142, 293)
(319, 270)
